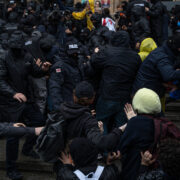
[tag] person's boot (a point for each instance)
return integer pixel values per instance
(14, 175)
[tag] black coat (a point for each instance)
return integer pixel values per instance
(138, 136)
(156, 20)
(97, 38)
(147, 174)
(157, 69)
(133, 4)
(109, 173)
(119, 66)
(14, 73)
(65, 75)
(80, 123)
(140, 29)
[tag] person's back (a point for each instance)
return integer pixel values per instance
(81, 123)
(139, 134)
(119, 66)
(148, 76)
(158, 68)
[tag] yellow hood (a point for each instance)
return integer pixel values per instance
(146, 47)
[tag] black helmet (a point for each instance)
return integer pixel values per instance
(72, 47)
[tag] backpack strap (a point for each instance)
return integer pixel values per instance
(98, 172)
(80, 175)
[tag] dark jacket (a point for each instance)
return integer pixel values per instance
(156, 20)
(109, 173)
(80, 123)
(119, 65)
(157, 69)
(65, 75)
(133, 4)
(138, 136)
(14, 73)
(7, 130)
(159, 174)
(97, 38)
(140, 27)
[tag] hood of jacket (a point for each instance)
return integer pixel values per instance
(120, 39)
(71, 111)
(146, 47)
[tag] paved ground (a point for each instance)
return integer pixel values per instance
(31, 176)
(30, 169)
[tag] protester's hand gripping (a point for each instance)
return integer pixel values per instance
(123, 127)
(112, 157)
(38, 130)
(100, 124)
(45, 66)
(20, 97)
(19, 125)
(147, 158)
(129, 111)
(65, 158)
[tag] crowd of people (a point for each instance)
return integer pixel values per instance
(94, 83)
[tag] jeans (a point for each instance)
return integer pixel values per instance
(35, 119)
(111, 113)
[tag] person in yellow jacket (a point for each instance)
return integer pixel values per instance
(81, 15)
(146, 46)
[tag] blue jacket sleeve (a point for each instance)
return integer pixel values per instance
(167, 70)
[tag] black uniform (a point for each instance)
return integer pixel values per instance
(156, 20)
(64, 76)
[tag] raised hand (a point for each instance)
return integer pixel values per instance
(147, 158)
(129, 111)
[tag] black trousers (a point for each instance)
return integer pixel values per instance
(34, 119)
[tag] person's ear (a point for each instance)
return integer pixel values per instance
(75, 99)
(70, 157)
(92, 100)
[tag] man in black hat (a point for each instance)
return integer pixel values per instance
(15, 104)
(65, 74)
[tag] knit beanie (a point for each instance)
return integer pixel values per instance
(84, 89)
(146, 101)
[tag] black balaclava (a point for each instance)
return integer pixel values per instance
(174, 44)
(46, 43)
(96, 19)
(84, 34)
(16, 43)
(83, 153)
